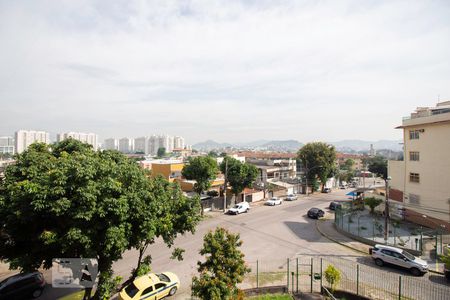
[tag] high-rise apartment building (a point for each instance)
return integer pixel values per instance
(89, 138)
(111, 144)
(126, 145)
(141, 145)
(178, 142)
(24, 138)
(6, 145)
(420, 183)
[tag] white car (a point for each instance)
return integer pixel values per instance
(239, 208)
(274, 201)
(291, 197)
(399, 257)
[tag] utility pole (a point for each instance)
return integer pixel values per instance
(225, 186)
(386, 211)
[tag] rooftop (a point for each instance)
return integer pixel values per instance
(426, 115)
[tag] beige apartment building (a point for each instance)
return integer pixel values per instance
(421, 182)
(24, 138)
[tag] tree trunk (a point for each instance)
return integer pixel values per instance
(104, 266)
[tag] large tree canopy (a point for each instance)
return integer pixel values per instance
(203, 170)
(318, 159)
(67, 200)
(239, 175)
(378, 166)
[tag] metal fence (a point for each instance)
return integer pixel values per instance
(306, 274)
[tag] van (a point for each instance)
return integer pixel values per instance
(239, 208)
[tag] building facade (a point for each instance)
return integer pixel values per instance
(111, 144)
(126, 145)
(420, 183)
(141, 145)
(7, 145)
(88, 138)
(24, 138)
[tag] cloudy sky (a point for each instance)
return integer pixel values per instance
(223, 70)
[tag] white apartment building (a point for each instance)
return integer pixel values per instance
(178, 142)
(160, 141)
(24, 138)
(89, 138)
(111, 144)
(6, 145)
(126, 145)
(141, 145)
(420, 184)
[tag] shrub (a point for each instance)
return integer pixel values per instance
(332, 276)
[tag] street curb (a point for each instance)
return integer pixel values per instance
(337, 242)
(357, 250)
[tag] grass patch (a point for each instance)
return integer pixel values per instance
(271, 297)
(268, 277)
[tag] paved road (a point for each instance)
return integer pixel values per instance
(269, 234)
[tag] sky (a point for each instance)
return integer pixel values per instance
(230, 71)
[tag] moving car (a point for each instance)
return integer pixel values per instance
(315, 213)
(239, 208)
(334, 205)
(326, 190)
(291, 197)
(274, 201)
(395, 256)
(151, 286)
(22, 286)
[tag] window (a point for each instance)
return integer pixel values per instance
(414, 199)
(414, 156)
(414, 177)
(131, 290)
(147, 290)
(414, 134)
(387, 252)
(159, 285)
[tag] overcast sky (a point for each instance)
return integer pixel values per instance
(223, 70)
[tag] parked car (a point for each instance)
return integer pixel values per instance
(326, 190)
(291, 197)
(399, 257)
(22, 286)
(239, 208)
(274, 201)
(315, 213)
(151, 286)
(334, 205)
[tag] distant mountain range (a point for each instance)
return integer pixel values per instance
(346, 146)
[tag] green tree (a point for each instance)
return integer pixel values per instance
(161, 152)
(378, 166)
(223, 269)
(239, 175)
(348, 164)
(332, 276)
(372, 202)
(213, 153)
(202, 169)
(318, 159)
(66, 200)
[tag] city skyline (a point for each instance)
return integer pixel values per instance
(230, 72)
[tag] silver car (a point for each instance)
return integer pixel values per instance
(395, 256)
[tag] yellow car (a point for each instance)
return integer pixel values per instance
(151, 287)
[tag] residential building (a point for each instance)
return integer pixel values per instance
(7, 145)
(178, 142)
(126, 145)
(341, 158)
(111, 144)
(89, 138)
(24, 138)
(141, 145)
(420, 183)
(169, 169)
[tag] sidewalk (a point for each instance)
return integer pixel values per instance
(326, 228)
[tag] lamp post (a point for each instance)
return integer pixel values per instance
(386, 210)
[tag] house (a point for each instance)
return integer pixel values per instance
(420, 183)
(169, 169)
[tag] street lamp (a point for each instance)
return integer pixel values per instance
(386, 210)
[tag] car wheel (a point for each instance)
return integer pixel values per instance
(379, 262)
(36, 293)
(415, 272)
(172, 291)
(247, 210)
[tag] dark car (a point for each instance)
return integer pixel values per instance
(334, 205)
(22, 286)
(326, 190)
(315, 213)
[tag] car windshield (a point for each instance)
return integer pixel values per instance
(408, 255)
(131, 290)
(237, 206)
(163, 277)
